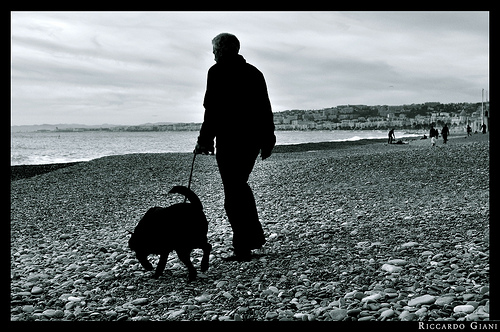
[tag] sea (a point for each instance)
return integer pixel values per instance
(34, 148)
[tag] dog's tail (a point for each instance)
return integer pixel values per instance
(185, 191)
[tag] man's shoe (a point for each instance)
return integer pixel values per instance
(240, 256)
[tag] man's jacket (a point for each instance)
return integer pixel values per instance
(237, 108)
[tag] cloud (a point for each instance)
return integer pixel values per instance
(134, 67)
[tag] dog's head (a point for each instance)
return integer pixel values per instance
(132, 242)
(141, 255)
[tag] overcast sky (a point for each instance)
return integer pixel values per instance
(138, 67)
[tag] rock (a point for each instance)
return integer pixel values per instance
(353, 312)
(403, 314)
(36, 290)
(74, 299)
(28, 308)
(466, 308)
(387, 313)
(424, 299)
(371, 298)
(227, 295)
(408, 317)
(299, 315)
(397, 262)
(104, 275)
(140, 301)
(221, 284)
(203, 298)
(274, 289)
(484, 289)
(473, 303)
(175, 313)
(444, 300)
(271, 314)
(359, 295)
(421, 312)
(409, 244)
(49, 313)
(338, 314)
(59, 314)
(391, 268)
(468, 296)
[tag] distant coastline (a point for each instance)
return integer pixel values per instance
(343, 117)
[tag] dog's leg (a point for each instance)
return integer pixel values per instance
(161, 265)
(184, 256)
(143, 259)
(207, 248)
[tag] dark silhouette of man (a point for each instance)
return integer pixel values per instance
(445, 132)
(392, 137)
(238, 115)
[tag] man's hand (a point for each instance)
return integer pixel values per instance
(200, 149)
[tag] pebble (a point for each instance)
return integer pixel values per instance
(424, 299)
(36, 290)
(397, 262)
(338, 314)
(409, 244)
(353, 312)
(408, 317)
(140, 301)
(444, 300)
(74, 299)
(104, 275)
(484, 289)
(371, 298)
(49, 313)
(387, 313)
(203, 298)
(175, 313)
(28, 308)
(464, 308)
(271, 315)
(391, 268)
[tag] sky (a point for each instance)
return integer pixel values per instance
(137, 67)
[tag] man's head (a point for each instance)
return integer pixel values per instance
(225, 44)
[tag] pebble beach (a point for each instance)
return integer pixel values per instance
(356, 231)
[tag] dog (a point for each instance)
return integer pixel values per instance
(181, 227)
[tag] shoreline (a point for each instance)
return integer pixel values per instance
(18, 172)
(26, 171)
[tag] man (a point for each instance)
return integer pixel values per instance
(392, 137)
(445, 132)
(238, 114)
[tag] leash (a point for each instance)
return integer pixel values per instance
(190, 175)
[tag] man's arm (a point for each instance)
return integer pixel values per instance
(205, 142)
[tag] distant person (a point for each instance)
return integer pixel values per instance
(484, 128)
(469, 131)
(238, 114)
(392, 137)
(445, 132)
(431, 132)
